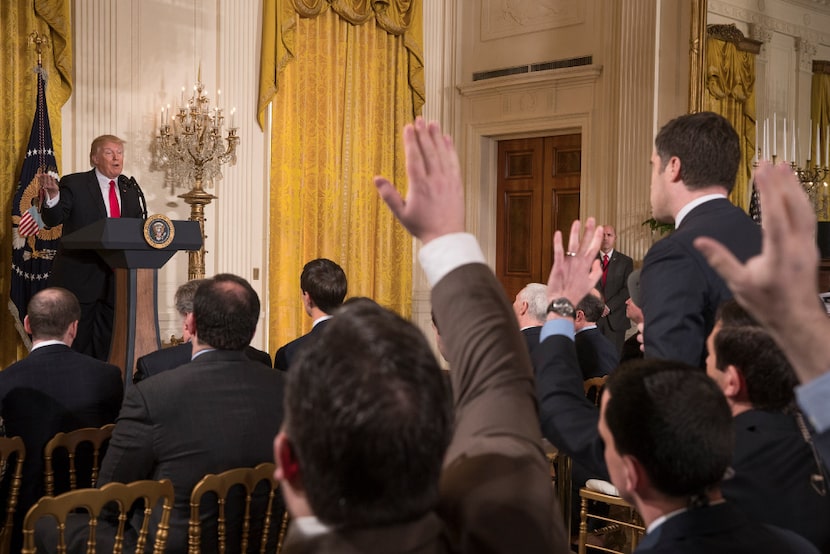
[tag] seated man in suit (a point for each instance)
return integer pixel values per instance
(778, 479)
(323, 285)
(596, 353)
(174, 356)
(531, 307)
(668, 441)
(368, 422)
(53, 389)
(218, 412)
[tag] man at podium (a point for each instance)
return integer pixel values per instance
(81, 199)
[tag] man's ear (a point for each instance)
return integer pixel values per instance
(673, 169)
(190, 323)
(734, 384)
(523, 308)
(26, 326)
(579, 316)
(288, 468)
(634, 476)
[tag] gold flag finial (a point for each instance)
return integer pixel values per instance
(38, 40)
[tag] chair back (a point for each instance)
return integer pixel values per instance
(70, 441)
(593, 388)
(12, 455)
(256, 518)
(618, 528)
(123, 496)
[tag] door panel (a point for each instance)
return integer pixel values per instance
(538, 193)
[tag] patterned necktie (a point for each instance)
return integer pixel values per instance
(604, 269)
(115, 210)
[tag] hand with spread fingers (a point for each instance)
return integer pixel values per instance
(779, 287)
(576, 270)
(434, 204)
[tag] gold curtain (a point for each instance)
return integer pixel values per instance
(18, 19)
(345, 76)
(730, 91)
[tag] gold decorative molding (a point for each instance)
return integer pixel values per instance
(821, 66)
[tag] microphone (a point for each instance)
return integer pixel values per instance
(130, 182)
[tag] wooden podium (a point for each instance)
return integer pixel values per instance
(120, 243)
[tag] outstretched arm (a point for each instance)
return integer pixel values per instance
(779, 287)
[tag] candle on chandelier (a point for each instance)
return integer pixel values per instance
(810, 137)
(784, 158)
(774, 134)
(233, 118)
(827, 145)
(794, 153)
(818, 146)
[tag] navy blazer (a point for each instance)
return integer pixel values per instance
(596, 354)
(720, 529)
(286, 354)
(615, 292)
(174, 356)
(54, 389)
(681, 291)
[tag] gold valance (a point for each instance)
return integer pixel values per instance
(821, 66)
(396, 17)
(730, 33)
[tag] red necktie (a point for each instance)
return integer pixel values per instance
(604, 269)
(115, 209)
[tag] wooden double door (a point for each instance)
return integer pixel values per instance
(538, 193)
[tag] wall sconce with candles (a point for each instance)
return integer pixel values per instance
(191, 148)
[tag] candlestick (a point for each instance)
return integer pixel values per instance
(810, 138)
(818, 146)
(774, 134)
(827, 145)
(785, 140)
(794, 153)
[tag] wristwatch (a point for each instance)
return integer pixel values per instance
(562, 306)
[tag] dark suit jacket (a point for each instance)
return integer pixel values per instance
(615, 290)
(174, 356)
(285, 355)
(681, 291)
(495, 488)
(83, 271)
(772, 482)
(215, 413)
(531, 335)
(568, 419)
(717, 529)
(596, 354)
(54, 389)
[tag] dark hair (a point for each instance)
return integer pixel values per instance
(767, 372)
(675, 420)
(369, 418)
(592, 307)
(226, 311)
(708, 148)
(184, 296)
(51, 311)
(325, 283)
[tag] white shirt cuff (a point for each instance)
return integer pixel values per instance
(52, 202)
(448, 252)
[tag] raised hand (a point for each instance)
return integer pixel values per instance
(434, 204)
(576, 270)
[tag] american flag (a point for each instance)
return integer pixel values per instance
(33, 245)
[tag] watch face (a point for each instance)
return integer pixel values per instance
(563, 307)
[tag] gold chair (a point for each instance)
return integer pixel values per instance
(622, 529)
(124, 496)
(70, 442)
(593, 388)
(12, 455)
(221, 484)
